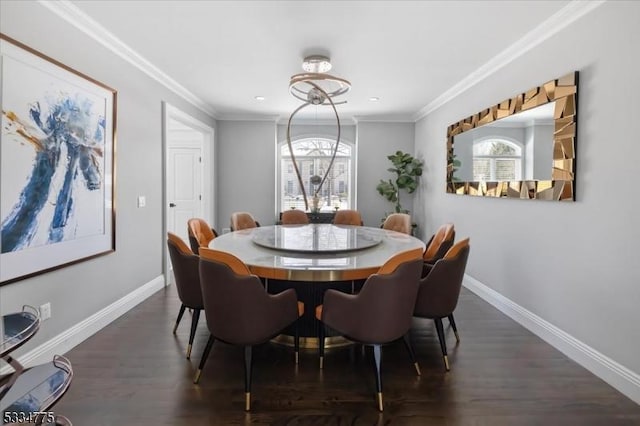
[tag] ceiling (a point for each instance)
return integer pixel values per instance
(407, 53)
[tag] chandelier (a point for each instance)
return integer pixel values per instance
(316, 87)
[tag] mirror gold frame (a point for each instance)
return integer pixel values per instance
(561, 187)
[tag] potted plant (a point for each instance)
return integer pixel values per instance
(407, 169)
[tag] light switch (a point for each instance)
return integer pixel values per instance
(142, 201)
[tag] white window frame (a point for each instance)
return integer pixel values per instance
(350, 170)
(519, 166)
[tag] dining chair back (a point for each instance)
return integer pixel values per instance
(439, 291)
(187, 277)
(200, 233)
(294, 217)
(439, 243)
(239, 311)
(242, 220)
(347, 217)
(380, 313)
(399, 222)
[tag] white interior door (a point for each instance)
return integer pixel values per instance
(184, 188)
(189, 175)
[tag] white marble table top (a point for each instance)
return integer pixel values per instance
(310, 265)
(317, 238)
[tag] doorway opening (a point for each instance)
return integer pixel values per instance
(189, 189)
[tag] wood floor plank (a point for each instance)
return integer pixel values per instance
(134, 372)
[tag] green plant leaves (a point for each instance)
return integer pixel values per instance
(407, 170)
(388, 190)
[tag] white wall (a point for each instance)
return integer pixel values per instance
(542, 155)
(79, 291)
(251, 186)
(246, 171)
(300, 131)
(375, 142)
(573, 264)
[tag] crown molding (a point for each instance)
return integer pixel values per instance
(83, 22)
(344, 121)
(383, 119)
(247, 117)
(573, 11)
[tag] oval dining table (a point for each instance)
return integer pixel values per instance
(311, 259)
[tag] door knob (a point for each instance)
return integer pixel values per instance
(172, 204)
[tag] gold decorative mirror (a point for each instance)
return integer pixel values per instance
(523, 147)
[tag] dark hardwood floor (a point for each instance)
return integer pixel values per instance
(134, 372)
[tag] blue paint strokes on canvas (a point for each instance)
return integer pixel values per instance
(68, 123)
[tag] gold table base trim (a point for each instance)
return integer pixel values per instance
(312, 342)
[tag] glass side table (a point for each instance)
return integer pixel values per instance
(26, 395)
(17, 328)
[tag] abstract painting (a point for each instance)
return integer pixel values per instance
(56, 164)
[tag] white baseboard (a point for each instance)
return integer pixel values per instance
(618, 376)
(73, 336)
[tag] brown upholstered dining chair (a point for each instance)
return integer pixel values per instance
(380, 313)
(200, 233)
(294, 217)
(239, 311)
(437, 246)
(399, 222)
(242, 220)
(439, 291)
(347, 217)
(185, 271)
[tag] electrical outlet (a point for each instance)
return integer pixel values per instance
(142, 201)
(226, 230)
(45, 311)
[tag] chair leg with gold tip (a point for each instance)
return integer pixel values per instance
(321, 345)
(192, 334)
(377, 357)
(407, 343)
(443, 343)
(296, 339)
(180, 314)
(453, 325)
(205, 355)
(247, 378)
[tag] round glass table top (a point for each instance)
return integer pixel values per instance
(309, 265)
(316, 238)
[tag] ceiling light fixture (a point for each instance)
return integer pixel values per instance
(260, 98)
(316, 63)
(316, 87)
(374, 99)
(316, 66)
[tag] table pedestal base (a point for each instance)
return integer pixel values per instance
(311, 293)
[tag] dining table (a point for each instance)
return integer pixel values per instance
(311, 259)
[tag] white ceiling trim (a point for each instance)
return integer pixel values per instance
(312, 122)
(558, 21)
(382, 119)
(247, 117)
(83, 22)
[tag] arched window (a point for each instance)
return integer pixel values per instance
(497, 160)
(313, 156)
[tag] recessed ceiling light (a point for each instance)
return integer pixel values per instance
(260, 98)
(374, 99)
